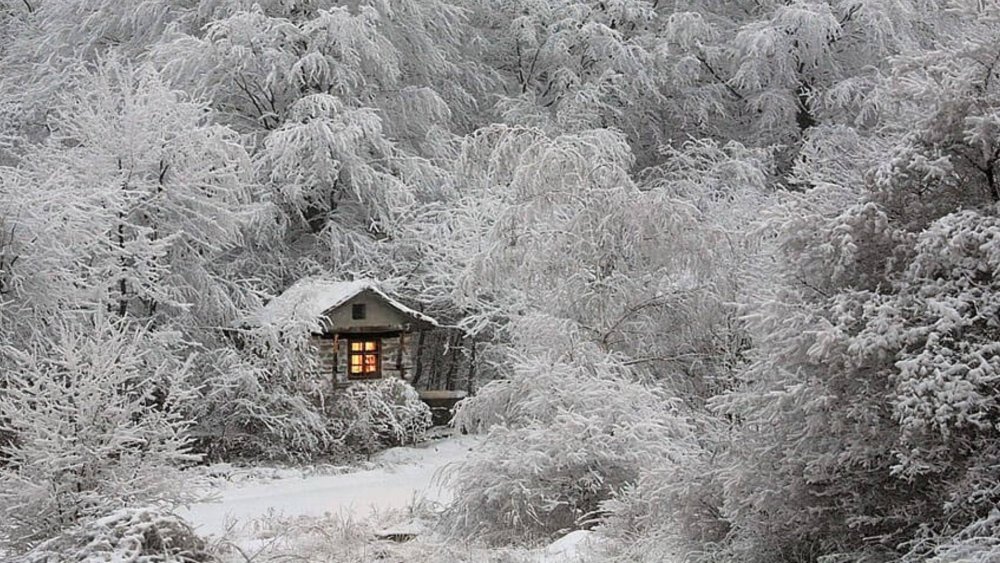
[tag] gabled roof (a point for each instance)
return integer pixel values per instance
(309, 298)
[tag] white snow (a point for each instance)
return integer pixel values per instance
(403, 475)
(407, 475)
(570, 548)
(309, 298)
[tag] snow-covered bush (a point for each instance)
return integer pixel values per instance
(139, 535)
(94, 414)
(262, 400)
(866, 427)
(345, 537)
(370, 415)
(670, 507)
(568, 430)
(978, 542)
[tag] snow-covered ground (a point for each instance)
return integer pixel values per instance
(271, 514)
(402, 477)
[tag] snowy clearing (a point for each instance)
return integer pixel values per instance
(271, 514)
(406, 475)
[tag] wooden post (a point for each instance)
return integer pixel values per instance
(418, 367)
(436, 348)
(399, 355)
(336, 359)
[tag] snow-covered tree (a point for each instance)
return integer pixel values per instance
(138, 204)
(344, 104)
(573, 65)
(127, 203)
(555, 225)
(94, 417)
(860, 429)
(783, 67)
(603, 302)
(54, 38)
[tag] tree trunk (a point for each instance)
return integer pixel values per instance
(471, 377)
(803, 116)
(453, 341)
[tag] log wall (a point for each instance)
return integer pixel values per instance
(332, 351)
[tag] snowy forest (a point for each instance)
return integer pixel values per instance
(721, 276)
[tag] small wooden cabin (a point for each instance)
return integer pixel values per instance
(360, 332)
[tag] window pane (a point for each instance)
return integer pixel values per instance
(358, 311)
(363, 357)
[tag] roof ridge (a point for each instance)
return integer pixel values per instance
(314, 296)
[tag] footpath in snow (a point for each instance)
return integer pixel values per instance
(405, 475)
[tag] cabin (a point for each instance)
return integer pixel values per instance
(359, 332)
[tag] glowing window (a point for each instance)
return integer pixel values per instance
(364, 359)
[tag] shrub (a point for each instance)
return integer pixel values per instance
(370, 415)
(259, 405)
(671, 509)
(139, 535)
(94, 414)
(566, 432)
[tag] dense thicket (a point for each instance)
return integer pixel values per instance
(731, 264)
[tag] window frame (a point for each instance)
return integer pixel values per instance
(376, 373)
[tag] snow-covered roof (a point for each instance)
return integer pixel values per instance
(309, 298)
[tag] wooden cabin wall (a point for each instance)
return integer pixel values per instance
(440, 359)
(397, 357)
(326, 357)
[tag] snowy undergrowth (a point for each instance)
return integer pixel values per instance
(569, 430)
(386, 412)
(139, 535)
(394, 535)
(390, 511)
